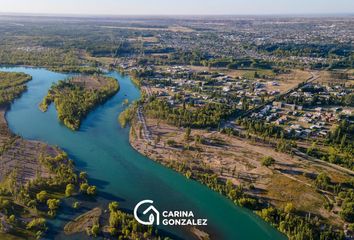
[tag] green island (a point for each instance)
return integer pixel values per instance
(76, 97)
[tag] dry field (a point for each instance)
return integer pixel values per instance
(145, 39)
(90, 82)
(326, 77)
(290, 80)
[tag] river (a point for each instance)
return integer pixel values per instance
(101, 148)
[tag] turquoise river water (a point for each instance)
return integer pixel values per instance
(101, 148)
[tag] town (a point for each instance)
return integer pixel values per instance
(259, 109)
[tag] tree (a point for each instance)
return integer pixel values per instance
(114, 219)
(347, 212)
(267, 161)
(76, 205)
(322, 181)
(95, 230)
(113, 206)
(256, 75)
(349, 100)
(187, 133)
(171, 142)
(12, 219)
(83, 176)
(42, 196)
(5, 205)
(83, 187)
(53, 204)
(37, 224)
(91, 190)
(197, 139)
(69, 191)
(289, 208)
(188, 174)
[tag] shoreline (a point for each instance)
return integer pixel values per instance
(247, 166)
(64, 187)
(7, 135)
(199, 233)
(35, 166)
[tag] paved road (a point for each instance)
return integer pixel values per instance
(147, 90)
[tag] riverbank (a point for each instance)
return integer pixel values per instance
(239, 161)
(60, 165)
(101, 148)
(28, 169)
(16, 153)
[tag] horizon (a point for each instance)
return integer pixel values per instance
(182, 8)
(309, 15)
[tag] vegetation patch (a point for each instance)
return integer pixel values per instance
(12, 84)
(76, 97)
(126, 116)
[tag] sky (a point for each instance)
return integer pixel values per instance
(177, 7)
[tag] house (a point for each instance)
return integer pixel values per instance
(226, 89)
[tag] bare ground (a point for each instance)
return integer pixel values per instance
(90, 82)
(86, 220)
(21, 156)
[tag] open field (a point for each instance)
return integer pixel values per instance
(145, 39)
(290, 80)
(91, 82)
(327, 77)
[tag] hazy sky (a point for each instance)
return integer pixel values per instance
(132, 7)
